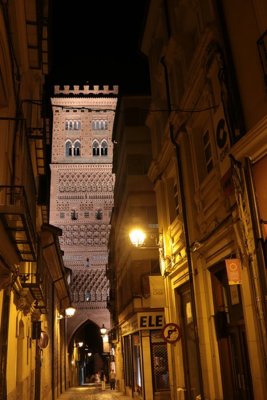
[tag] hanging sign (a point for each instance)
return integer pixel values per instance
(233, 267)
(171, 333)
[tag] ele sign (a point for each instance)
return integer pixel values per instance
(143, 321)
(150, 321)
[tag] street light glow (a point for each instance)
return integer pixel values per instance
(137, 237)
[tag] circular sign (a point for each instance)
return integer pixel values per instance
(171, 333)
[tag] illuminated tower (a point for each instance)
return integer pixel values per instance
(82, 191)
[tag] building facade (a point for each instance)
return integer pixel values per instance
(33, 280)
(81, 194)
(208, 130)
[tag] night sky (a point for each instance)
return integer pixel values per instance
(98, 42)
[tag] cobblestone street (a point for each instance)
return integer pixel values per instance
(92, 392)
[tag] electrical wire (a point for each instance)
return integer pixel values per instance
(64, 107)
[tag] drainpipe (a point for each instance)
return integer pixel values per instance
(185, 229)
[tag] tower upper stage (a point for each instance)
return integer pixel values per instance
(86, 90)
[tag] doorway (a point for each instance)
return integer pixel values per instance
(231, 336)
(189, 344)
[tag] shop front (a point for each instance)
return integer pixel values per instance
(145, 357)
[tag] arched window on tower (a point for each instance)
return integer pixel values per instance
(104, 148)
(68, 148)
(77, 148)
(95, 148)
(77, 124)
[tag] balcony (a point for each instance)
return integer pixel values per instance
(18, 219)
(32, 282)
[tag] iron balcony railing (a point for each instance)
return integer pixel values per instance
(19, 221)
(32, 282)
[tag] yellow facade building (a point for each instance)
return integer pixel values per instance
(208, 117)
(33, 279)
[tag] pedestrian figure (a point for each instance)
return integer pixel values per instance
(103, 380)
(112, 379)
(97, 377)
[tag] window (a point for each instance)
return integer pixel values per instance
(86, 214)
(95, 148)
(68, 148)
(77, 147)
(72, 124)
(104, 148)
(77, 125)
(74, 215)
(73, 150)
(99, 214)
(62, 215)
(99, 124)
(207, 151)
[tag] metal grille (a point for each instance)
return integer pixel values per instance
(160, 366)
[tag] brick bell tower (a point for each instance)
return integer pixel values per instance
(81, 197)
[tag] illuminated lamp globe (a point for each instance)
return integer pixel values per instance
(69, 312)
(103, 330)
(137, 237)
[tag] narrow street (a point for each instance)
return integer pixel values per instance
(92, 392)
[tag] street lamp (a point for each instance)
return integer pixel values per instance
(68, 313)
(137, 237)
(103, 330)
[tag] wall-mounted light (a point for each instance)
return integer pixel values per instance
(137, 237)
(144, 240)
(103, 330)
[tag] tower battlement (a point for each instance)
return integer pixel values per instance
(86, 89)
